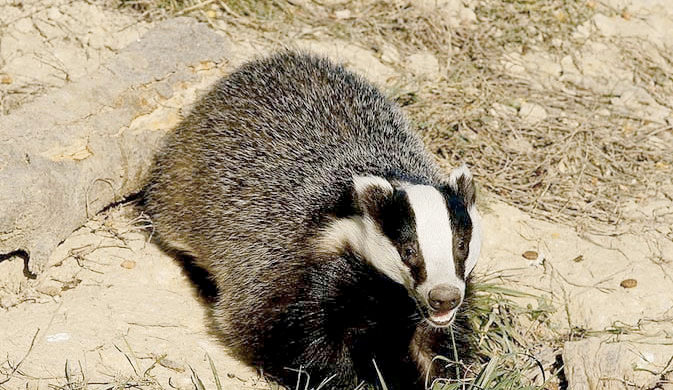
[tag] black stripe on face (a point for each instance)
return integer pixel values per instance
(398, 223)
(461, 226)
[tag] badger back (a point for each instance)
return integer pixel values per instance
(282, 138)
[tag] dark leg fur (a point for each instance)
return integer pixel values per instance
(347, 316)
(200, 278)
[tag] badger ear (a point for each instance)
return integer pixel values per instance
(461, 182)
(370, 194)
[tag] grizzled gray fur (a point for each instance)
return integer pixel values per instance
(246, 187)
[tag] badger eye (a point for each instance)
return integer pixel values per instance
(409, 252)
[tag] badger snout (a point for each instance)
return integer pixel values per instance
(444, 298)
(443, 301)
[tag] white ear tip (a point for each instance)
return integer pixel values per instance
(462, 170)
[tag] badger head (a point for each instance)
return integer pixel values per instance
(424, 237)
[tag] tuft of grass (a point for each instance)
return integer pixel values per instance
(493, 375)
(503, 350)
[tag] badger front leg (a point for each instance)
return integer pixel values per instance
(429, 342)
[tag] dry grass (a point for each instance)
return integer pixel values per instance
(579, 166)
(504, 349)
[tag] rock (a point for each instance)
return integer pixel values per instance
(629, 283)
(454, 12)
(343, 14)
(353, 56)
(587, 361)
(389, 54)
(66, 155)
(594, 364)
(467, 16)
(128, 264)
(638, 102)
(532, 113)
(519, 145)
(423, 64)
(57, 43)
(11, 271)
(652, 27)
(502, 111)
(24, 25)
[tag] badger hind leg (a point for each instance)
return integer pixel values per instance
(201, 279)
(199, 276)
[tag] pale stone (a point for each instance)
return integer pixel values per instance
(532, 113)
(502, 111)
(24, 25)
(423, 64)
(389, 54)
(343, 14)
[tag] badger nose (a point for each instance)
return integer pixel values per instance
(444, 298)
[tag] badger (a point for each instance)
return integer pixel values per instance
(336, 245)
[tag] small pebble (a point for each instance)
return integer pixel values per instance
(578, 259)
(128, 264)
(57, 337)
(530, 255)
(343, 14)
(629, 283)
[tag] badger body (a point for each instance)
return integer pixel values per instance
(330, 234)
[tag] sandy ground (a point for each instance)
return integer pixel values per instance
(113, 309)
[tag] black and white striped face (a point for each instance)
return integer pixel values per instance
(426, 238)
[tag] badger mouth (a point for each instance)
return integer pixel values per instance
(442, 319)
(436, 319)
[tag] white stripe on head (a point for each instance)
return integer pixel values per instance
(365, 238)
(363, 235)
(435, 237)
